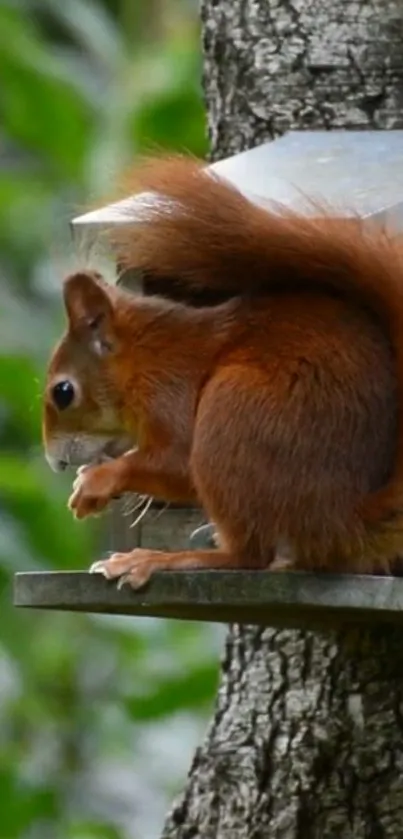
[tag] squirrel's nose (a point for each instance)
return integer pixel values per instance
(56, 464)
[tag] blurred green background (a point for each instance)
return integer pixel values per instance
(98, 716)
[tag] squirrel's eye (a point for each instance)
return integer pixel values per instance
(63, 394)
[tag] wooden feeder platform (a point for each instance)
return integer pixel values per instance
(287, 599)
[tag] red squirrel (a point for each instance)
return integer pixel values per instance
(277, 407)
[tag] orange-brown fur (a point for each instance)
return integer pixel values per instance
(279, 409)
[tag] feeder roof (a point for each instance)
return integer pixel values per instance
(353, 172)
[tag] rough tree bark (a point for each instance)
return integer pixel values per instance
(307, 736)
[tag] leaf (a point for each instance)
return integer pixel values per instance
(91, 830)
(38, 105)
(181, 692)
(19, 389)
(28, 492)
(92, 28)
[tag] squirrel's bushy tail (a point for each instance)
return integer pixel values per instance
(205, 233)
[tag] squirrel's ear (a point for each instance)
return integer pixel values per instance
(90, 309)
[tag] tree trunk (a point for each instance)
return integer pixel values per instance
(307, 736)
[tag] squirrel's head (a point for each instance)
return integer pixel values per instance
(81, 416)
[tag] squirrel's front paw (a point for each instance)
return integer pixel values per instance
(93, 488)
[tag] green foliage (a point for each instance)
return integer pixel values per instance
(87, 701)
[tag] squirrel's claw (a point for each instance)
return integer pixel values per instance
(99, 568)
